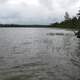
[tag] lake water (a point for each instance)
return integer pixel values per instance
(39, 54)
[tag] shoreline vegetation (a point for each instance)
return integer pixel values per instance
(68, 23)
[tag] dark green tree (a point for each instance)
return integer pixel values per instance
(78, 15)
(74, 22)
(67, 17)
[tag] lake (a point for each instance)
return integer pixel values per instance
(39, 54)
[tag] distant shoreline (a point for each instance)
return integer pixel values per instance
(34, 26)
(18, 25)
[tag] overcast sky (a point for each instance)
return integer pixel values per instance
(36, 11)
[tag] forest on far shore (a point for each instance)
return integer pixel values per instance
(68, 22)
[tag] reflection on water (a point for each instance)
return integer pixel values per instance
(37, 54)
(76, 54)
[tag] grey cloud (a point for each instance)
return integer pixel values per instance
(46, 3)
(3, 1)
(67, 3)
(47, 12)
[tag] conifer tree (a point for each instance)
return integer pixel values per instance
(67, 17)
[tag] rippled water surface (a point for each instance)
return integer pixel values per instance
(39, 54)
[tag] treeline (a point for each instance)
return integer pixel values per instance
(68, 22)
(19, 25)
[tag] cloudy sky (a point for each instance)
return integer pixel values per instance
(36, 11)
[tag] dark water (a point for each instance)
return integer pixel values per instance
(39, 54)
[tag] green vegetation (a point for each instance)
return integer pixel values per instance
(73, 23)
